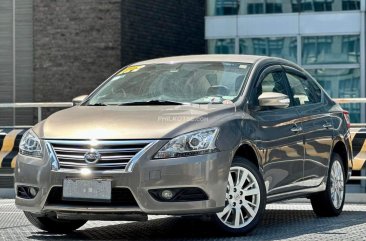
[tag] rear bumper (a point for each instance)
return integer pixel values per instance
(207, 172)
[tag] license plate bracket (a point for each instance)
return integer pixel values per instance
(90, 190)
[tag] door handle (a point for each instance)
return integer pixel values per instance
(296, 129)
(327, 126)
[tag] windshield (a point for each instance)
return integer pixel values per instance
(200, 83)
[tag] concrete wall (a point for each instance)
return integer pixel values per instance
(161, 28)
(76, 46)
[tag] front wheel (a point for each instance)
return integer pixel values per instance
(54, 225)
(245, 198)
(330, 202)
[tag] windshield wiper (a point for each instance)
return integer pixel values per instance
(97, 104)
(154, 102)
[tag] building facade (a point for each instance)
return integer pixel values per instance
(326, 37)
(52, 51)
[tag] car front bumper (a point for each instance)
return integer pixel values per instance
(207, 172)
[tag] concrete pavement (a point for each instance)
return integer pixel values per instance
(283, 221)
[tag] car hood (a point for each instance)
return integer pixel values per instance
(129, 122)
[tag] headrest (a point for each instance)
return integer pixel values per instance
(218, 90)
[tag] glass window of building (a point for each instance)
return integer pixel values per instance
(283, 47)
(222, 7)
(317, 5)
(350, 4)
(266, 6)
(258, 7)
(221, 46)
(331, 49)
(234, 7)
(328, 5)
(341, 83)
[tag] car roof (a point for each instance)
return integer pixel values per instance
(250, 59)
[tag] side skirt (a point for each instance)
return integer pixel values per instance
(296, 194)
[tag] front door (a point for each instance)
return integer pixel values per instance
(279, 136)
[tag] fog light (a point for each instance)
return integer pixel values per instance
(32, 191)
(167, 194)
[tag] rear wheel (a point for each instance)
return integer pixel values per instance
(54, 225)
(245, 198)
(330, 202)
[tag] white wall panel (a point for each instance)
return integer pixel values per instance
(267, 25)
(330, 23)
(220, 27)
(292, 24)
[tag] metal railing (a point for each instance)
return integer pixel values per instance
(39, 107)
(350, 100)
(358, 178)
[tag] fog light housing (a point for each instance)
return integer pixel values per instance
(27, 192)
(183, 194)
(167, 194)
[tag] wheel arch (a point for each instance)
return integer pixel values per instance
(339, 147)
(249, 151)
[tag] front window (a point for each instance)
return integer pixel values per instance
(179, 83)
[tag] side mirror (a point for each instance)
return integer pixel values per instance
(78, 100)
(274, 100)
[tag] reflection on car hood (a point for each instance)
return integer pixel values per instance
(128, 122)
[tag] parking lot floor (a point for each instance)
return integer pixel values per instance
(282, 221)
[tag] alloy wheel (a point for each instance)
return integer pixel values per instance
(242, 198)
(337, 184)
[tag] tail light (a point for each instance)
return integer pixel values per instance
(346, 117)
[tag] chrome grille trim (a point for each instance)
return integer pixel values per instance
(134, 159)
(99, 150)
(75, 157)
(91, 142)
(71, 164)
(115, 155)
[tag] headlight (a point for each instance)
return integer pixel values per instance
(194, 143)
(30, 145)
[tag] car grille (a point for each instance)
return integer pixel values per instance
(113, 154)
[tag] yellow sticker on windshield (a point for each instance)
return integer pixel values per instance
(129, 69)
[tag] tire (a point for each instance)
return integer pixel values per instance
(242, 213)
(330, 202)
(54, 225)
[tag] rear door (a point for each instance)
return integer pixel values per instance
(278, 136)
(316, 123)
